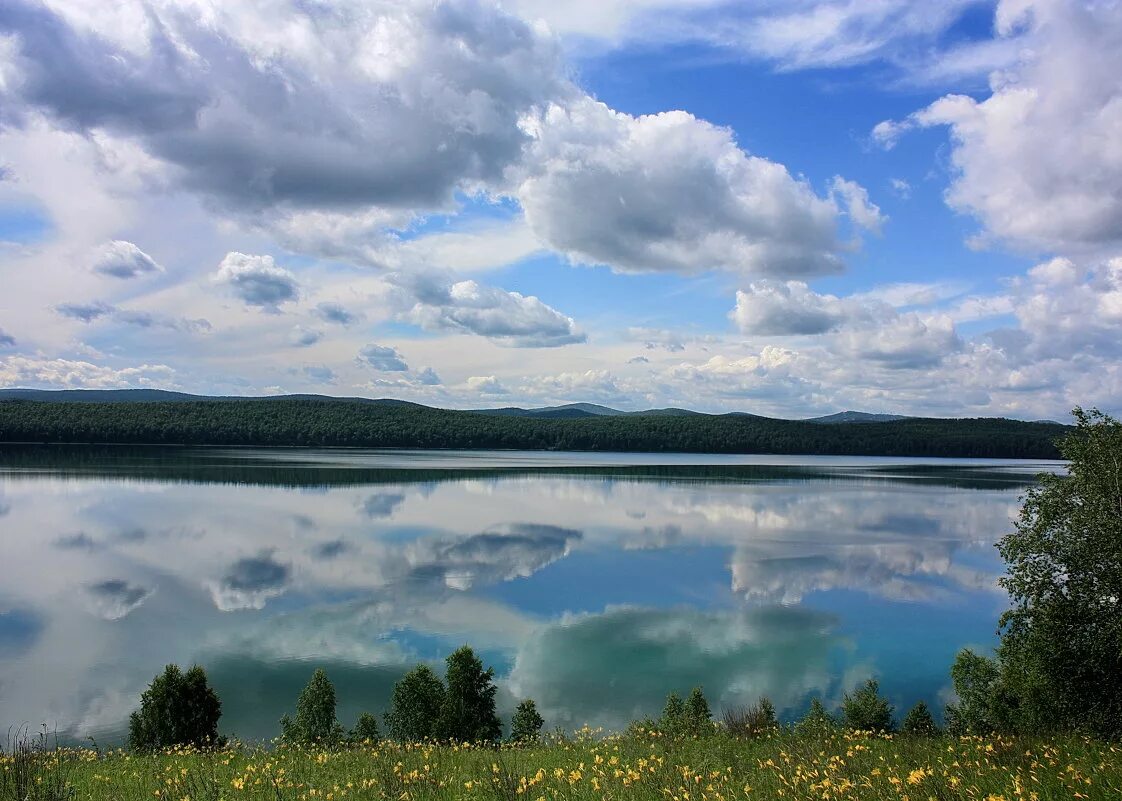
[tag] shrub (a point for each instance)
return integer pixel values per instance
(750, 721)
(177, 709)
(918, 722)
(816, 720)
(415, 707)
(526, 725)
(865, 710)
(468, 713)
(315, 714)
(366, 729)
(977, 684)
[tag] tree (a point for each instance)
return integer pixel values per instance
(865, 710)
(699, 718)
(816, 720)
(468, 713)
(315, 714)
(177, 709)
(366, 729)
(918, 722)
(1061, 642)
(982, 705)
(526, 725)
(415, 706)
(673, 715)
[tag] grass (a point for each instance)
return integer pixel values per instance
(780, 765)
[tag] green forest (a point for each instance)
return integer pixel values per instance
(326, 422)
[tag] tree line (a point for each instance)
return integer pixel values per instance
(329, 422)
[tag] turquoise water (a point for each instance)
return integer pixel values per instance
(594, 584)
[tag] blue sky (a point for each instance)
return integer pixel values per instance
(787, 208)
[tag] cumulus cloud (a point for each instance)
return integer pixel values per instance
(320, 374)
(786, 307)
(300, 337)
(670, 192)
(855, 200)
(383, 357)
(332, 312)
(258, 116)
(257, 280)
(486, 385)
(84, 312)
(24, 371)
(508, 318)
(1039, 161)
(122, 259)
(89, 312)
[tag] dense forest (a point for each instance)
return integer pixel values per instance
(293, 421)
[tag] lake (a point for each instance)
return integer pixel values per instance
(593, 583)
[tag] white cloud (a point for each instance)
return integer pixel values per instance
(772, 308)
(25, 371)
(1039, 161)
(486, 385)
(257, 280)
(855, 200)
(670, 192)
(300, 337)
(122, 259)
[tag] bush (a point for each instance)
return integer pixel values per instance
(526, 725)
(415, 707)
(816, 721)
(177, 709)
(977, 685)
(366, 729)
(315, 714)
(918, 722)
(750, 721)
(865, 710)
(468, 713)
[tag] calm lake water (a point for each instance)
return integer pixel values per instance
(594, 584)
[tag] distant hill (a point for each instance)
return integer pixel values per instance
(857, 417)
(573, 410)
(320, 421)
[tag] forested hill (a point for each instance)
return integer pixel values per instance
(292, 421)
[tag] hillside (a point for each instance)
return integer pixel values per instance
(336, 422)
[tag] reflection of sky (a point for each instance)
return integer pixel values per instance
(595, 596)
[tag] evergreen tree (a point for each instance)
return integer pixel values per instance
(366, 729)
(526, 725)
(699, 718)
(315, 714)
(816, 720)
(177, 709)
(673, 718)
(468, 712)
(415, 706)
(918, 722)
(865, 710)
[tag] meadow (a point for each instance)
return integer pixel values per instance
(645, 765)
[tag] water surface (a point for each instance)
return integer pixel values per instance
(594, 583)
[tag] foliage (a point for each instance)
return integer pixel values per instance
(865, 710)
(816, 720)
(699, 718)
(366, 729)
(526, 725)
(177, 709)
(1061, 646)
(35, 769)
(315, 714)
(673, 720)
(323, 421)
(415, 706)
(750, 721)
(982, 706)
(468, 712)
(919, 722)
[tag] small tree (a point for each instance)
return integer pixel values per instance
(816, 720)
(865, 710)
(918, 722)
(980, 708)
(366, 729)
(1061, 643)
(415, 706)
(673, 718)
(699, 718)
(468, 713)
(177, 709)
(526, 725)
(315, 714)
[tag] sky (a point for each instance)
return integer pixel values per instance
(784, 208)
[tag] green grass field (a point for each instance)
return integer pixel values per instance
(778, 766)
